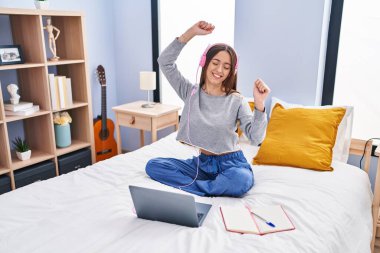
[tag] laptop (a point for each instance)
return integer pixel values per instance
(168, 207)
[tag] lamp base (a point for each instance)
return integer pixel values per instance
(148, 105)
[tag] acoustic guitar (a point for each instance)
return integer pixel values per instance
(105, 144)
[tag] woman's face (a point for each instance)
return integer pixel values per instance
(218, 68)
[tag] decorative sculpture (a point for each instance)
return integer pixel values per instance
(50, 29)
(12, 89)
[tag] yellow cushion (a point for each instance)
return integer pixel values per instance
(300, 137)
(252, 105)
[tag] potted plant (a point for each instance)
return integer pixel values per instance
(41, 4)
(23, 151)
(62, 129)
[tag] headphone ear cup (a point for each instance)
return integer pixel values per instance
(202, 62)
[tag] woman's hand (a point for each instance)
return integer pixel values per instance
(202, 28)
(260, 93)
(199, 28)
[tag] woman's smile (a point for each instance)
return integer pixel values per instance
(218, 68)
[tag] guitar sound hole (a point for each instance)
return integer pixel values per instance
(104, 134)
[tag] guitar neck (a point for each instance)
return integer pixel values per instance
(104, 108)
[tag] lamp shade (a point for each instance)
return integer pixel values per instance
(147, 80)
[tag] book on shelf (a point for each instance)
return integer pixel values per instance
(25, 112)
(22, 105)
(69, 92)
(63, 92)
(258, 220)
(54, 95)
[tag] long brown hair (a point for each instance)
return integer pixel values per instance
(229, 84)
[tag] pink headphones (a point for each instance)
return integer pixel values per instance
(202, 62)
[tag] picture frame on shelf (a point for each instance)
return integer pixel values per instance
(11, 54)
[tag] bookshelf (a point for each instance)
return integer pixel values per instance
(26, 29)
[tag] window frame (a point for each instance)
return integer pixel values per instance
(155, 49)
(332, 51)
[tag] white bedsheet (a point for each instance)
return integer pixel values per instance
(90, 210)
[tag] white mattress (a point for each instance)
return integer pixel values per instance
(90, 210)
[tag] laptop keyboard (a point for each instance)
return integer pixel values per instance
(200, 215)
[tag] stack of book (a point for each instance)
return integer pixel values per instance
(20, 109)
(60, 92)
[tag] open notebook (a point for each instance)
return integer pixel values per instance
(241, 220)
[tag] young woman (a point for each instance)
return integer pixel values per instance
(209, 121)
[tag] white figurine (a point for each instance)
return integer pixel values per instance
(50, 29)
(12, 89)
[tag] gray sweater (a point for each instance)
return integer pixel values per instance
(213, 119)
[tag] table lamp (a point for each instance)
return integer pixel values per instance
(148, 82)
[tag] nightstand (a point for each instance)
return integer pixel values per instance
(146, 119)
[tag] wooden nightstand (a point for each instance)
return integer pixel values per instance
(146, 119)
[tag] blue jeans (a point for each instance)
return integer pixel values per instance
(223, 175)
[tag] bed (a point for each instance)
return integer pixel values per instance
(90, 210)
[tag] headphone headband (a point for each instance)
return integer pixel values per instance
(202, 61)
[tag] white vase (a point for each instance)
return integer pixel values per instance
(24, 155)
(43, 5)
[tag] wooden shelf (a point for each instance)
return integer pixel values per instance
(36, 114)
(37, 156)
(75, 105)
(24, 27)
(377, 245)
(75, 145)
(1, 108)
(64, 62)
(4, 170)
(4, 147)
(21, 66)
(16, 11)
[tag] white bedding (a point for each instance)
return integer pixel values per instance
(90, 210)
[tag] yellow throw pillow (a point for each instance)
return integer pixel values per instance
(252, 105)
(300, 137)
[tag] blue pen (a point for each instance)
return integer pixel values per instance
(267, 222)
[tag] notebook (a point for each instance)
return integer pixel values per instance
(240, 219)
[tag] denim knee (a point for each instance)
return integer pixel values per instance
(243, 182)
(149, 168)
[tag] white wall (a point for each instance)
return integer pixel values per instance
(282, 42)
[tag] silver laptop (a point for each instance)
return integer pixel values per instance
(168, 207)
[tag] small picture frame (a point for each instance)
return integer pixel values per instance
(11, 54)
